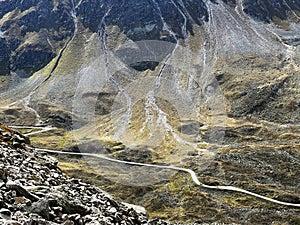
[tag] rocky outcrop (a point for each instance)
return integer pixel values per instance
(146, 20)
(32, 33)
(12, 138)
(4, 57)
(143, 20)
(269, 10)
(33, 190)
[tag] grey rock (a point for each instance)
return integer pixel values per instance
(68, 222)
(41, 208)
(33, 190)
(74, 217)
(5, 213)
(9, 222)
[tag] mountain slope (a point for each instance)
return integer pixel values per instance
(34, 31)
(208, 85)
(34, 190)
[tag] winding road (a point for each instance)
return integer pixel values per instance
(189, 171)
(42, 129)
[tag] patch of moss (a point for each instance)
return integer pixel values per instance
(4, 82)
(283, 24)
(57, 140)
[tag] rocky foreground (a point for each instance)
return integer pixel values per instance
(35, 191)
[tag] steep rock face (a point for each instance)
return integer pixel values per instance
(34, 32)
(31, 58)
(4, 57)
(52, 23)
(270, 9)
(147, 19)
(144, 20)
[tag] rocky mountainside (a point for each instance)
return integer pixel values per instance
(209, 85)
(35, 191)
(32, 33)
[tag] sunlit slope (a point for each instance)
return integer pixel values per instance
(230, 65)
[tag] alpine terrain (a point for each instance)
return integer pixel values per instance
(188, 108)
